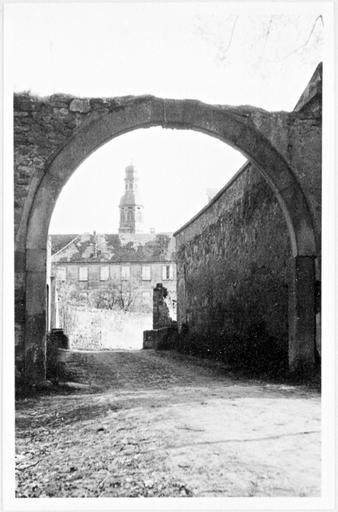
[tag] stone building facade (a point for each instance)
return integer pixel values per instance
(129, 264)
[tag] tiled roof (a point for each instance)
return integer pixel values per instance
(60, 241)
(113, 247)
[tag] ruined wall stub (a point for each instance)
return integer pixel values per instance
(161, 314)
(53, 135)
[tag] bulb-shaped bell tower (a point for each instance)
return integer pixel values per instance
(131, 207)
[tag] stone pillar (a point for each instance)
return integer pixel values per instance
(302, 317)
(20, 294)
(53, 302)
(35, 325)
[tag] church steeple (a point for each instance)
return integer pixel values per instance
(131, 207)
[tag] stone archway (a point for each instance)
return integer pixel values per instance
(237, 127)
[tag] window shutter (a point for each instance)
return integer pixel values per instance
(164, 273)
(171, 272)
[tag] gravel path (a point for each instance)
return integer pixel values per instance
(164, 424)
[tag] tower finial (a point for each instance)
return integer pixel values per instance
(131, 207)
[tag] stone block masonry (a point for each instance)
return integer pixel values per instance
(240, 290)
(232, 265)
(53, 135)
(164, 338)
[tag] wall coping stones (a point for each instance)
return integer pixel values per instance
(214, 200)
(80, 105)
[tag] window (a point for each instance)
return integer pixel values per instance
(83, 273)
(61, 273)
(167, 272)
(125, 273)
(104, 273)
(146, 273)
(146, 296)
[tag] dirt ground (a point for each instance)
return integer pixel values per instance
(164, 424)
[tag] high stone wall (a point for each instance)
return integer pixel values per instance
(232, 275)
(235, 268)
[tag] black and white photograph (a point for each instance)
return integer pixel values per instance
(168, 275)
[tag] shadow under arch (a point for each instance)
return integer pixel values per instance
(224, 123)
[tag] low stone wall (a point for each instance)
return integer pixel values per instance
(165, 338)
(102, 329)
(71, 365)
(56, 340)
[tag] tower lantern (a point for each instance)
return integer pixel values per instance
(131, 207)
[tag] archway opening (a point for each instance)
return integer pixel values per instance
(105, 268)
(223, 123)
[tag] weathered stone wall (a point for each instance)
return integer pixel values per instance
(41, 127)
(234, 258)
(298, 137)
(53, 135)
(232, 275)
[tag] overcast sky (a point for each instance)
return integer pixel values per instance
(221, 53)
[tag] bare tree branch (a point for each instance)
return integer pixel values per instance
(267, 33)
(319, 18)
(266, 37)
(225, 51)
